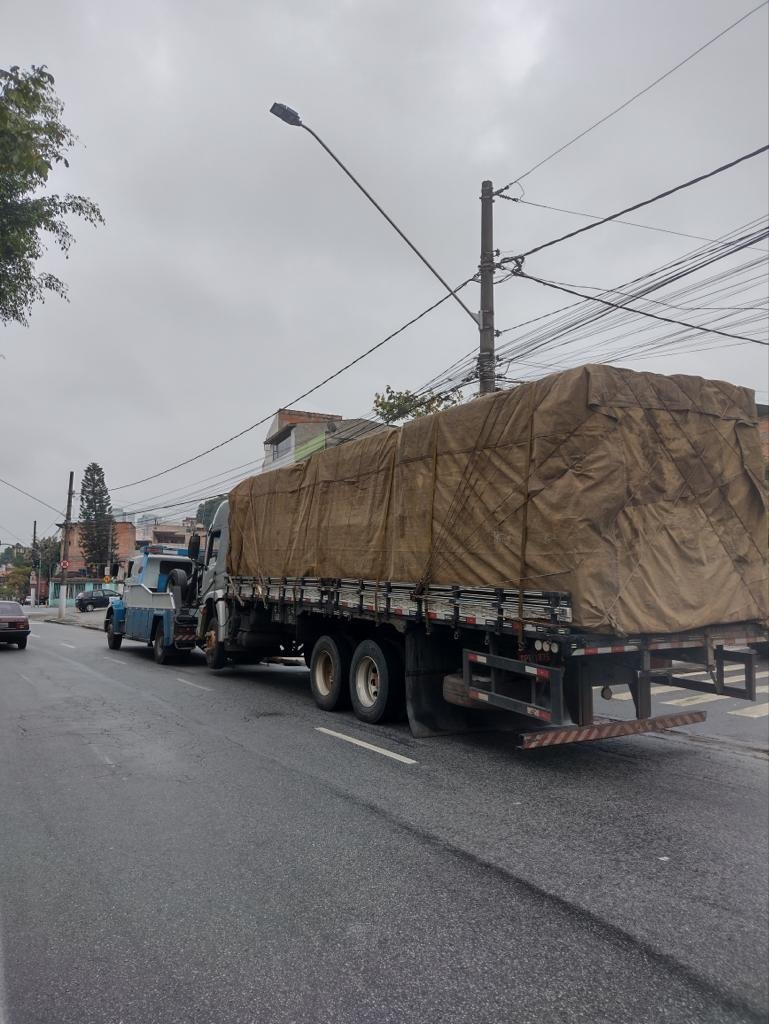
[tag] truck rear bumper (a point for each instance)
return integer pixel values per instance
(550, 737)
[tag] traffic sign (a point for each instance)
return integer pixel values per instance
(65, 564)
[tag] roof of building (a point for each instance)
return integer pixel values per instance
(286, 418)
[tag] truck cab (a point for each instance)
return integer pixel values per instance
(153, 607)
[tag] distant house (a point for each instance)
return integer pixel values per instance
(125, 541)
(294, 434)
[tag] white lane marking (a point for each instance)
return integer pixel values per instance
(762, 689)
(5, 1016)
(35, 635)
(367, 746)
(654, 690)
(71, 646)
(102, 755)
(754, 711)
(25, 678)
(115, 661)
(699, 698)
(196, 685)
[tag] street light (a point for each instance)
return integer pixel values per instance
(292, 117)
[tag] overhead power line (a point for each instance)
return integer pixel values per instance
(309, 391)
(628, 223)
(638, 206)
(640, 312)
(32, 496)
(632, 99)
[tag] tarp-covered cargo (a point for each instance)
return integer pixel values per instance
(639, 494)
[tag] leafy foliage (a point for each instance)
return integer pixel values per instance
(15, 585)
(97, 525)
(47, 555)
(396, 406)
(207, 509)
(32, 140)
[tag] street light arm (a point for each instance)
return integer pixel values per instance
(391, 222)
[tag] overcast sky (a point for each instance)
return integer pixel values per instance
(238, 265)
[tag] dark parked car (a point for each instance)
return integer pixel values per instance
(14, 624)
(87, 600)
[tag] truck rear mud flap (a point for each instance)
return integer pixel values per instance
(605, 730)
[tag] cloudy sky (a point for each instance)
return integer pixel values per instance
(238, 266)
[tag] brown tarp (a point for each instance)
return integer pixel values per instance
(641, 495)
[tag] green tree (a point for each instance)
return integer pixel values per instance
(47, 555)
(33, 140)
(16, 584)
(207, 509)
(97, 525)
(395, 406)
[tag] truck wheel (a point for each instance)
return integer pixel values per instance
(114, 640)
(177, 578)
(216, 656)
(376, 681)
(89, 607)
(330, 673)
(159, 649)
(21, 644)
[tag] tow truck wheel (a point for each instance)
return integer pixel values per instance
(114, 640)
(216, 656)
(329, 673)
(376, 681)
(159, 650)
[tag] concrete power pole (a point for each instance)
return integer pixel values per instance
(34, 590)
(65, 548)
(486, 357)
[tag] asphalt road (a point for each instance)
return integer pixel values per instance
(177, 846)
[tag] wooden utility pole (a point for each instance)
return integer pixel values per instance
(486, 357)
(65, 548)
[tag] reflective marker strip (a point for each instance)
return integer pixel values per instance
(367, 746)
(664, 645)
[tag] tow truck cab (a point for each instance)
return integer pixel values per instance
(152, 606)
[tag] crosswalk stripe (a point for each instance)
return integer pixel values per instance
(655, 689)
(754, 711)
(698, 698)
(728, 669)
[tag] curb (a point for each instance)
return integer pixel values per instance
(74, 622)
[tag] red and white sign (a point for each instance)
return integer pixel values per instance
(65, 564)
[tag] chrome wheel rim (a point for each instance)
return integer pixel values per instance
(324, 674)
(367, 682)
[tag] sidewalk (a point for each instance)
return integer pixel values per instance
(87, 620)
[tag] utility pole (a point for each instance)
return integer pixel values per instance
(486, 357)
(34, 590)
(65, 548)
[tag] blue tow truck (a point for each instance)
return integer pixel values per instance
(154, 607)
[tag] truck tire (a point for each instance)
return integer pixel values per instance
(176, 578)
(114, 640)
(377, 687)
(21, 644)
(330, 673)
(89, 606)
(159, 649)
(216, 656)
